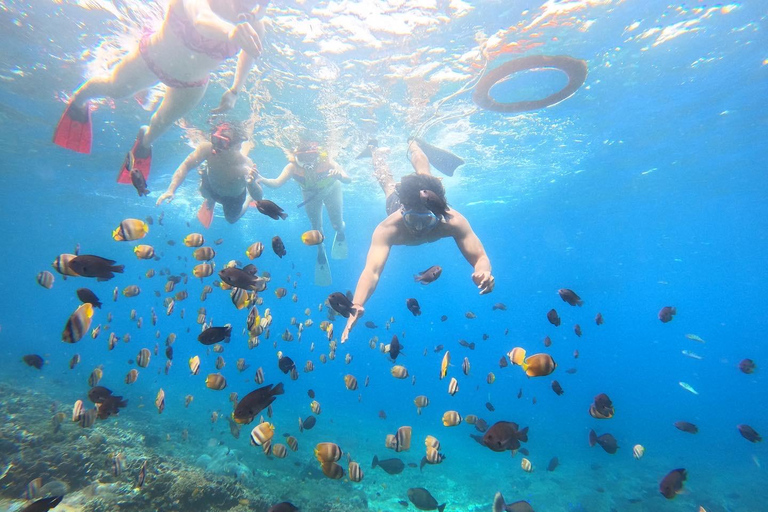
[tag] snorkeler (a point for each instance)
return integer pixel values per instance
(225, 177)
(318, 176)
(195, 37)
(417, 214)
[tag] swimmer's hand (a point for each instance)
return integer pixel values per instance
(228, 100)
(484, 281)
(165, 197)
(244, 35)
(357, 313)
(338, 174)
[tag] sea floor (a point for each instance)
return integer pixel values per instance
(205, 473)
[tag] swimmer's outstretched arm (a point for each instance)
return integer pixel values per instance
(198, 156)
(381, 244)
(229, 98)
(280, 180)
(472, 248)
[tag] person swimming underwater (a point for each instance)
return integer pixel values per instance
(226, 174)
(417, 214)
(195, 37)
(319, 178)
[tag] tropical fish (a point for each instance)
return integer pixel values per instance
(144, 252)
(341, 304)
(88, 265)
(505, 435)
(747, 366)
(34, 361)
(672, 484)
(278, 246)
(749, 433)
(312, 237)
(78, 324)
(687, 427)
(255, 402)
(87, 296)
(215, 381)
(45, 279)
(130, 229)
(570, 297)
(390, 466)
(606, 441)
(428, 276)
(194, 240)
(413, 306)
(422, 499)
(666, 313)
(270, 209)
(213, 335)
(499, 505)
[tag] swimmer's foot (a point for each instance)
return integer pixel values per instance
(139, 157)
(368, 151)
(339, 250)
(74, 130)
(322, 270)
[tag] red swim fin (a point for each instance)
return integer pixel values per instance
(139, 158)
(205, 213)
(74, 130)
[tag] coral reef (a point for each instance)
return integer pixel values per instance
(80, 462)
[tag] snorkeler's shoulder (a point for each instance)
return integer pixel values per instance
(456, 223)
(390, 227)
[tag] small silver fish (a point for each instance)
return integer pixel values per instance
(692, 355)
(688, 387)
(693, 337)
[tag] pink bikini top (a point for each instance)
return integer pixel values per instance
(183, 27)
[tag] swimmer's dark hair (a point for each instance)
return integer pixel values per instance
(234, 130)
(412, 184)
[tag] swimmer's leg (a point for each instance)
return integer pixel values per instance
(128, 77)
(381, 171)
(74, 130)
(314, 209)
(419, 160)
(334, 204)
(177, 102)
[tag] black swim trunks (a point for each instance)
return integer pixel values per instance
(233, 205)
(393, 202)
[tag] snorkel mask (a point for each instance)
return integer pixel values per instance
(419, 222)
(221, 138)
(307, 155)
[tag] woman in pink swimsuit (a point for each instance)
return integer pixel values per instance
(195, 37)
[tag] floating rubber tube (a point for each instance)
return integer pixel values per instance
(575, 69)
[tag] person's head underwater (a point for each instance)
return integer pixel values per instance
(418, 219)
(227, 136)
(308, 153)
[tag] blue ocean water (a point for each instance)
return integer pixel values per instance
(644, 189)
